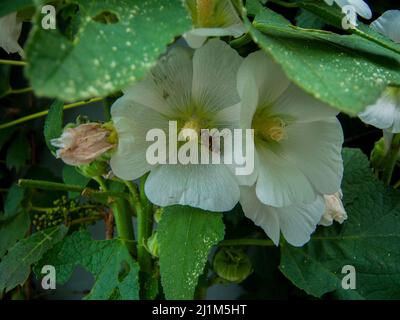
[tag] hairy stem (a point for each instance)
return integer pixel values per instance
(13, 62)
(45, 112)
(391, 159)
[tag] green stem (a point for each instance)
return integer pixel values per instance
(246, 242)
(86, 219)
(123, 219)
(391, 159)
(373, 39)
(45, 112)
(52, 186)
(13, 62)
(20, 91)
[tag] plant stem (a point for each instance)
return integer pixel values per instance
(123, 220)
(13, 62)
(144, 226)
(19, 91)
(391, 159)
(45, 112)
(53, 186)
(246, 242)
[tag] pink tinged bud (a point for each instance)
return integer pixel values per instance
(334, 211)
(83, 144)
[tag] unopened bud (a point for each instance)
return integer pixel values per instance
(232, 265)
(334, 211)
(84, 143)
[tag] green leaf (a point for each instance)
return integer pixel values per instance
(308, 20)
(109, 261)
(15, 266)
(13, 202)
(8, 6)
(53, 126)
(348, 72)
(369, 240)
(186, 236)
(103, 58)
(13, 230)
(71, 176)
(18, 152)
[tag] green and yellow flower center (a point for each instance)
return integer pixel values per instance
(194, 125)
(270, 129)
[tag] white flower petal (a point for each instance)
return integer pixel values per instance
(167, 88)
(10, 30)
(302, 106)
(388, 24)
(315, 148)
(299, 222)
(362, 8)
(280, 183)
(132, 122)
(270, 80)
(262, 215)
(194, 40)
(385, 113)
(215, 66)
(209, 187)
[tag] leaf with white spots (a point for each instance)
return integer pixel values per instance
(103, 57)
(346, 71)
(185, 237)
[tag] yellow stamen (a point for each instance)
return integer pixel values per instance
(269, 129)
(205, 11)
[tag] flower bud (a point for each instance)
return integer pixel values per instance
(96, 168)
(232, 265)
(334, 210)
(84, 143)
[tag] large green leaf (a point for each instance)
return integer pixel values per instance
(103, 58)
(53, 124)
(348, 72)
(116, 273)
(8, 6)
(369, 240)
(72, 177)
(185, 237)
(15, 266)
(13, 230)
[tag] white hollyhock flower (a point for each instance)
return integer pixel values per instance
(10, 30)
(334, 211)
(212, 18)
(298, 143)
(360, 7)
(385, 113)
(199, 92)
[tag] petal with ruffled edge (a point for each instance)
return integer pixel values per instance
(298, 222)
(168, 86)
(280, 183)
(262, 215)
(10, 30)
(209, 187)
(385, 113)
(215, 66)
(132, 122)
(315, 148)
(388, 24)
